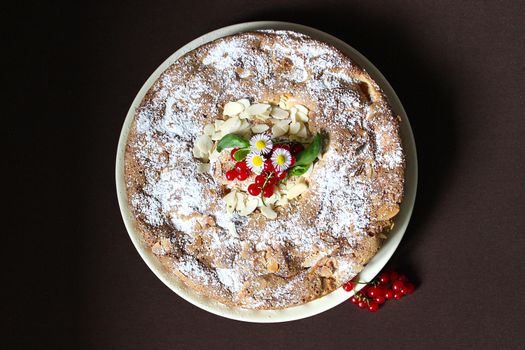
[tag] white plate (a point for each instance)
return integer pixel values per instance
(337, 296)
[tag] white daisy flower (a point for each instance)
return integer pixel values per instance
(255, 162)
(261, 144)
(281, 159)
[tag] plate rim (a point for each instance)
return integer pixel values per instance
(318, 305)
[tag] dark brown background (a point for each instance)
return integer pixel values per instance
(76, 281)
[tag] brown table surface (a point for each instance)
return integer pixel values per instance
(77, 281)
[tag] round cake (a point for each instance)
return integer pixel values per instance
(264, 169)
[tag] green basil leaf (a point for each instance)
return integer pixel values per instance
(298, 170)
(231, 141)
(310, 153)
(241, 154)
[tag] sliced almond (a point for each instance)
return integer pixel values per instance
(214, 155)
(295, 127)
(303, 132)
(293, 114)
(279, 113)
(231, 201)
(218, 123)
(251, 205)
(231, 125)
(278, 131)
(233, 108)
(296, 190)
(268, 212)
(282, 201)
(217, 136)
(197, 153)
(301, 117)
(244, 115)
(259, 128)
(245, 126)
(387, 211)
(241, 197)
(209, 129)
(245, 102)
(284, 101)
(258, 109)
(302, 109)
(204, 143)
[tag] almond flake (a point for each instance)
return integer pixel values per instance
(240, 201)
(268, 212)
(204, 144)
(209, 129)
(259, 128)
(295, 127)
(251, 205)
(301, 117)
(296, 190)
(231, 125)
(218, 124)
(302, 109)
(279, 113)
(303, 132)
(231, 201)
(245, 102)
(216, 136)
(278, 131)
(258, 109)
(233, 108)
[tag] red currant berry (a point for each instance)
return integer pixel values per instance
(268, 191)
(296, 148)
(292, 163)
(348, 286)
(242, 175)
(233, 152)
(268, 166)
(393, 276)
(380, 300)
(254, 190)
(388, 293)
(373, 307)
(374, 292)
(281, 175)
(241, 166)
(231, 175)
(271, 181)
(384, 278)
(410, 288)
(259, 180)
(362, 304)
(397, 285)
(398, 295)
(354, 300)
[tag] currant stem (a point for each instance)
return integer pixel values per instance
(263, 186)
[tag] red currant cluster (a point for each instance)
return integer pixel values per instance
(266, 181)
(388, 285)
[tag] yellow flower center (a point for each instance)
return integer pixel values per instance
(257, 161)
(280, 159)
(261, 144)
